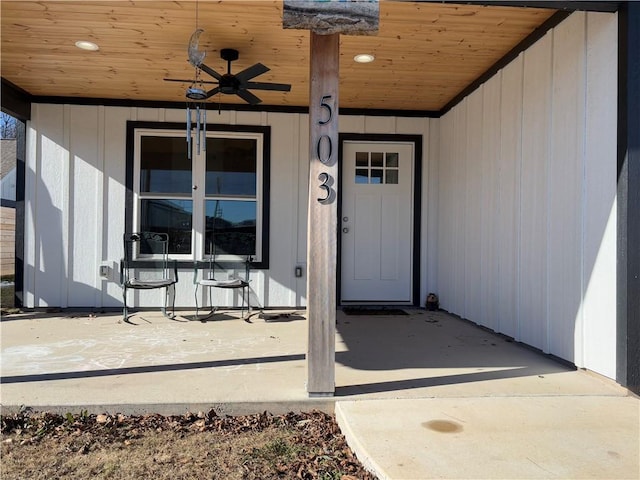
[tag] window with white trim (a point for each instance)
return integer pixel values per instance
(214, 202)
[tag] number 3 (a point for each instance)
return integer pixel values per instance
(325, 185)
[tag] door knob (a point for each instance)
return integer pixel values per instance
(345, 230)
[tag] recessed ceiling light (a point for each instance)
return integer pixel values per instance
(364, 58)
(86, 45)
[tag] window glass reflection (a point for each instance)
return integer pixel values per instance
(231, 166)
(362, 159)
(168, 216)
(376, 159)
(164, 165)
(231, 226)
(376, 176)
(362, 175)
(392, 160)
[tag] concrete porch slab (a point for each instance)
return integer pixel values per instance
(568, 437)
(395, 376)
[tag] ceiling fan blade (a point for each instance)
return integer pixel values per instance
(252, 71)
(248, 97)
(182, 80)
(210, 71)
(212, 92)
(281, 87)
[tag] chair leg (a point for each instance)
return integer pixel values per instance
(124, 305)
(212, 309)
(196, 297)
(173, 303)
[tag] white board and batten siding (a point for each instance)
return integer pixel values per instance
(540, 210)
(76, 200)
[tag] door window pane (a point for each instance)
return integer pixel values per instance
(169, 216)
(362, 175)
(376, 159)
(231, 226)
(231, 166)
(392, 176)
(362, 159)
(376, 175)
(164, 165)
(392, 160)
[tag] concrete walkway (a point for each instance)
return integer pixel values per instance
(418, 396)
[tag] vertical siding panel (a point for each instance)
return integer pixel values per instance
(533, 197)
(50, 208)
(283, 212)
(433, 146)
(114, 191)
(489, 201)
(473, 189)
(490, 155)
(565, 189)
(445, 192)
(380, 125)
(30, 207)
(458, 182)
(303, 202)
(352, 124)
(599, 229)
(83, 204)
(508, 194)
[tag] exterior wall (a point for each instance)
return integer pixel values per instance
(527, 197)
(75, 203)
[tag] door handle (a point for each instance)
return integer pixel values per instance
(345, 230)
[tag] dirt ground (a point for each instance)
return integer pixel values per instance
(191, 446)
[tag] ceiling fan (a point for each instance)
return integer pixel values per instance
(228, 83)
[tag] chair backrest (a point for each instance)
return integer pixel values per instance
(211, 271)
(146, 243)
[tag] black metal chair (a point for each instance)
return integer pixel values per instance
(208, 281)
(165, 276)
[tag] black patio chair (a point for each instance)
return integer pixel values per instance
(208, 281)
(163, 276)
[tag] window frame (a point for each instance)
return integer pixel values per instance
(136, 129)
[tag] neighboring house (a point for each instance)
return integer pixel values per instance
(7, 207)
(505, 206)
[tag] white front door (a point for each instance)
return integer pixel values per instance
(377, 223)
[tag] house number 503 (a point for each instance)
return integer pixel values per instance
(324, 150)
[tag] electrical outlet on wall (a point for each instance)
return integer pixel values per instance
(104, 271)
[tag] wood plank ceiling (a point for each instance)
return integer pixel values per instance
(425, 53)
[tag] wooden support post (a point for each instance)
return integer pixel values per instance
(323, 213)
(326, 20)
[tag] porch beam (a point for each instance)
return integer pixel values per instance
(628, 201)
(569, 6)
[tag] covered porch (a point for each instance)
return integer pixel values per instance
(411, 390)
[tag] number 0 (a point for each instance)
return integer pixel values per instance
(328, 150)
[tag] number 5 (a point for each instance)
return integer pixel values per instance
(328, 107)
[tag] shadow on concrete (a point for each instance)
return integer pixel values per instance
(435, 342)
(148, 369)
